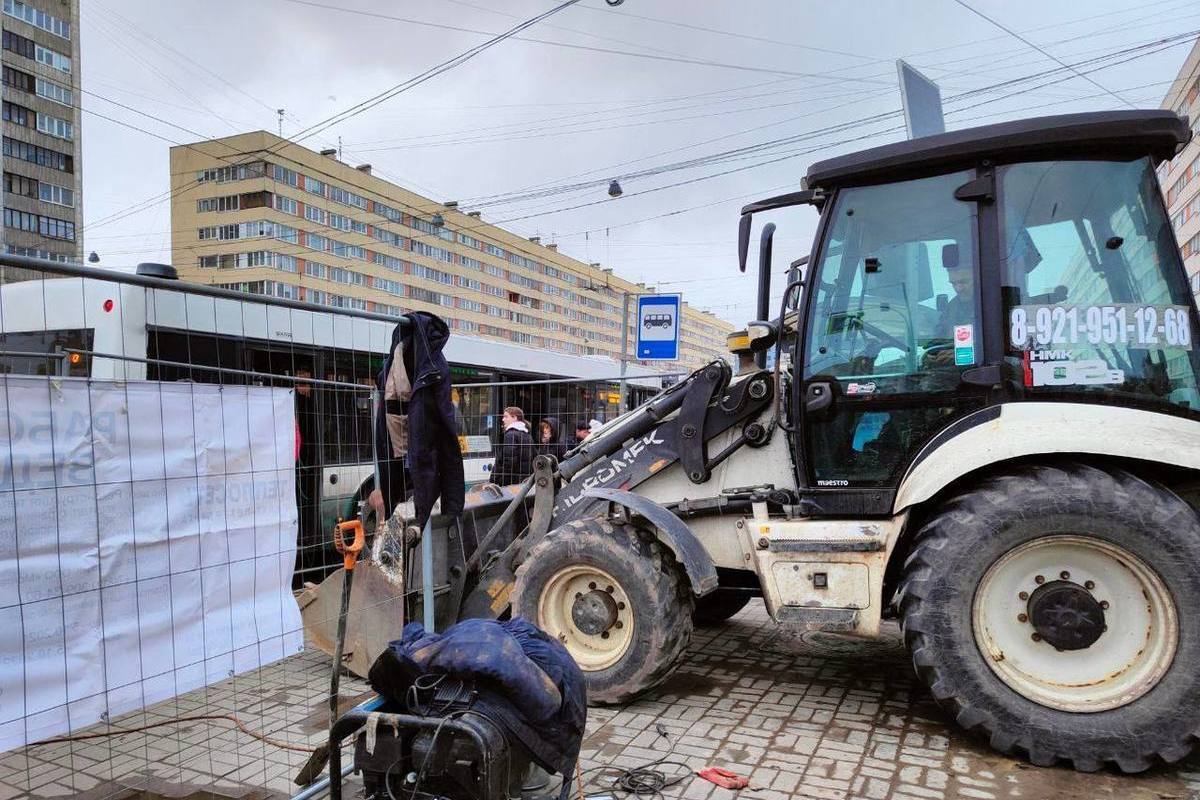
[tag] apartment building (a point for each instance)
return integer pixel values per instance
(257, 213)
(42, 166)
(1180, 177)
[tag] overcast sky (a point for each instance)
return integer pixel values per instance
(603, 92)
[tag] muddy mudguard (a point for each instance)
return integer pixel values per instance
(670, 530)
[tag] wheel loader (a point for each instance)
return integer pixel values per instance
(981, 418)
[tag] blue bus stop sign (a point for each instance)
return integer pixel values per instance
(658, 327)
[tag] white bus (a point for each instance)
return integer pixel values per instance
(111, 330)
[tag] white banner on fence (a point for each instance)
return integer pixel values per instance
(147, 541)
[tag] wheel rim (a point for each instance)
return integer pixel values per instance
(587, 610)
(1075, 623)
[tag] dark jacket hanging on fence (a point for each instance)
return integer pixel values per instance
(514, 456)
(429, 432)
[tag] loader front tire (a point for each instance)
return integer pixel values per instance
(615, 597)
(1055, 610)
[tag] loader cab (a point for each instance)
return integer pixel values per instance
(952, 274)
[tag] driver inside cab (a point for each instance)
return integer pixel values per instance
(958, 310)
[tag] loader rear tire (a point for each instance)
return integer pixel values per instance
(1055, 610)
(615, 597)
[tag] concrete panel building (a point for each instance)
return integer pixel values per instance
(42, 166)
(258, 213)
(1180, 177)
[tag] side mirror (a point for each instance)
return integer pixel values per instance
(744, 240)
(796, 270)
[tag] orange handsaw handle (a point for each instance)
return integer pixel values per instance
(351, 549)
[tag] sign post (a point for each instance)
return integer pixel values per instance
(658, 327)
(922, 101)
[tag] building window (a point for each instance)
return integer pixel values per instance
(56, 228)
(41, 19)
(431, 251)
(19, 44)
(38, 155)
(58, 195)
(285, 204)
(314, 186)
(20, 220)
(19, 115)
(285, 175)
(387, 211)
(391, 262)
(55, 92)
(348, 250)
(19, 184)
(19, 80)
(56, 127)
(314, 214)
(234, 172)
(347, 198)
(52, 58)
(229, 202)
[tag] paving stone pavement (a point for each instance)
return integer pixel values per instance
(802, 715)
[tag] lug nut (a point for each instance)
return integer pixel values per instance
(609, 589)
(1089, 585)
(604, 635)
(1066, 576)
(620, 606)
(1023, 595)
(592, 585)
(579, 595)
(1104, 604)
(1022, 618)
(1039, 580)
(1037, 637)
(618, 624)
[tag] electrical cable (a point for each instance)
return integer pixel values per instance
(573, 46)
(1054, 58)
(381, 97)
(1110, 55)
(241, 726)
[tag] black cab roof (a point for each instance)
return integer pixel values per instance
(1103, 134)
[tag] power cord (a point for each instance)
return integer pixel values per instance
(241, 726)
(645, 780)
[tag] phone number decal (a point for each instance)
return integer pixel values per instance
(1117, 324)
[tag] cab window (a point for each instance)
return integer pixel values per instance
(1096, 299)
(897, 307)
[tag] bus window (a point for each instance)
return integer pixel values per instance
(17, 349)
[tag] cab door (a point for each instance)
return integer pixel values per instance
(892, 325)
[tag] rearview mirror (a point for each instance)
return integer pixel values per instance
(744, 240)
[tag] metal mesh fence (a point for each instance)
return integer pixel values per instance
(176, 460)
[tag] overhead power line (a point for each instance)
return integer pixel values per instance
(369, 103)
(1041, 50)
(573, 46)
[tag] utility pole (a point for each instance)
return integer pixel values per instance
(624, 347)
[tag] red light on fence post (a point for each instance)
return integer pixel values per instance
(108, 306)
(75, 358)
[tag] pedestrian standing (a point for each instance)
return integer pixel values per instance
(514, 457)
